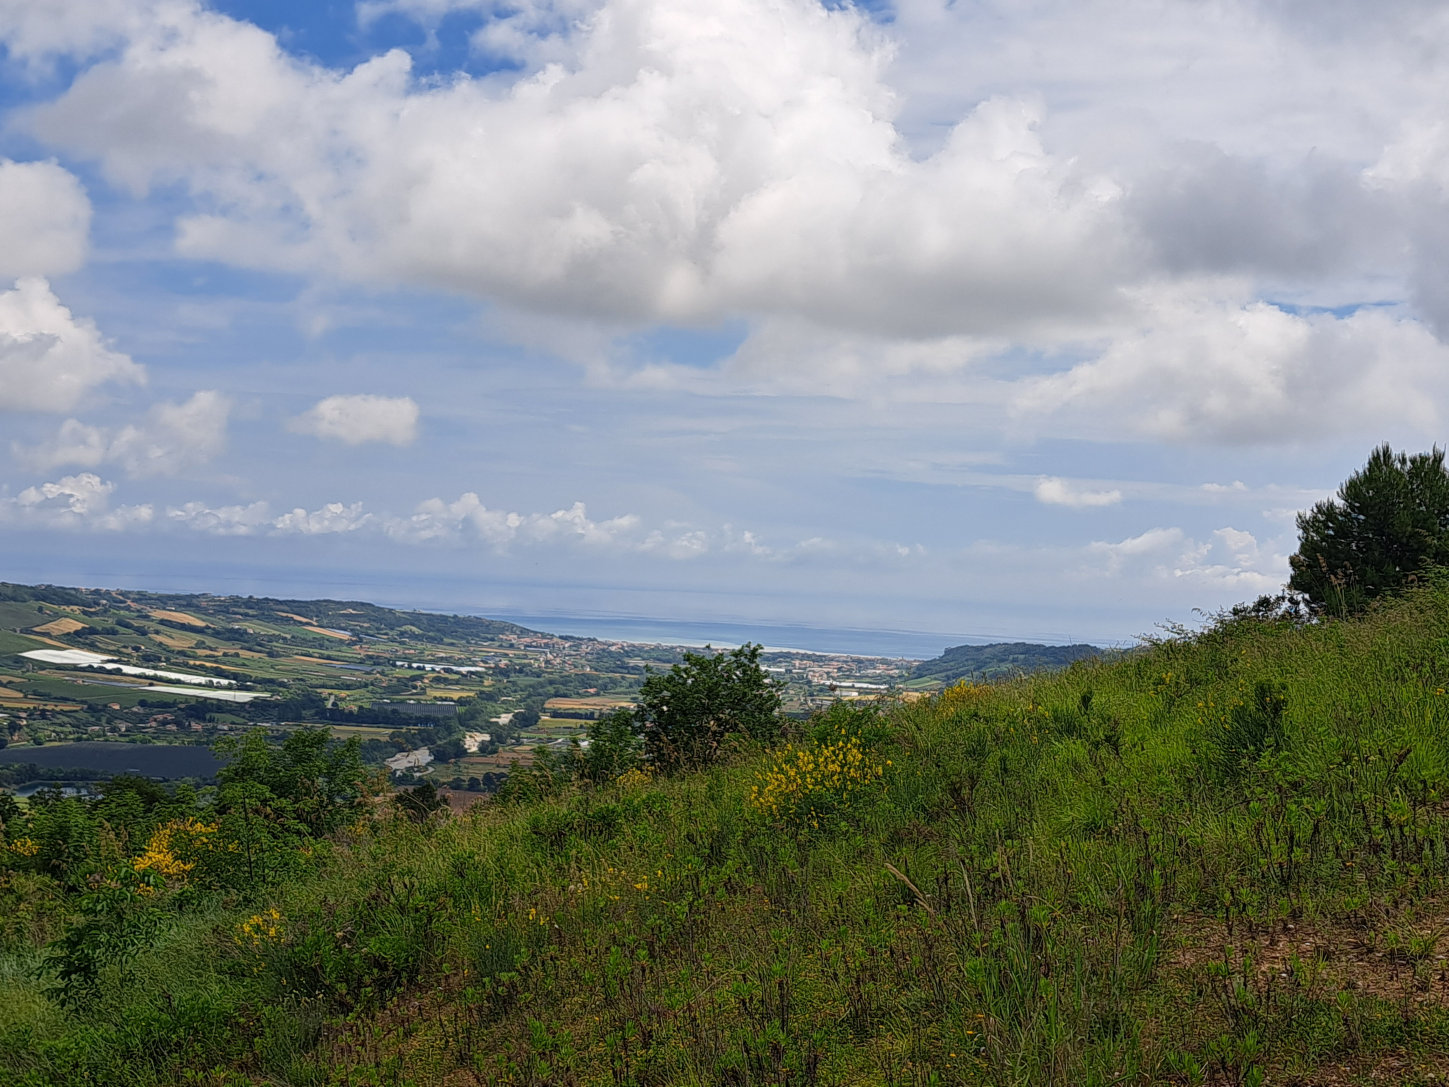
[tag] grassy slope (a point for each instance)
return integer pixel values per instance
(1046, 889)
(10, 642)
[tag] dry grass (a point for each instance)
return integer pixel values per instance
(60, 626)
(330, 633)
(175, 641)
(178, 617)
(594, 702)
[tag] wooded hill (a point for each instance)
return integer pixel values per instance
(353, 616)
(999, 661)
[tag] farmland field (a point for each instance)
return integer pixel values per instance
(179, 617)
(17, 615)
(123, 694)
(289, 652)
(175, 641)
(18, 643)
(602, 703)
(63, 625)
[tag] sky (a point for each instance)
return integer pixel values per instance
(1030, 319)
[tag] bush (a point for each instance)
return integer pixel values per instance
(420, 801)
(806, 786)
(687, 713)
(613, 747)
(1250, 729)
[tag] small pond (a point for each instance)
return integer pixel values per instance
(148, 760)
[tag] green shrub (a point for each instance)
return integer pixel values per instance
(1250, 729)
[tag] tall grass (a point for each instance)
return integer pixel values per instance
(1220, 860)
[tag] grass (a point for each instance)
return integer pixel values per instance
(10, 642)
(1221, 860)
(18, 615)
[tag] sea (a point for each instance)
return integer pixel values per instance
(443, 593)
(907, 644)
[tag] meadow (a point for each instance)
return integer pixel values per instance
(1220, 859)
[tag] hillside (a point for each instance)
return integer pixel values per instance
(999, 661)
(224, 612)
(1220, 860)
(136, 669)
(455, 698)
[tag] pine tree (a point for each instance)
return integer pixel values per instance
(1388, 525)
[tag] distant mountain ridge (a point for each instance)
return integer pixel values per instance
(980, 662)
(353, 616)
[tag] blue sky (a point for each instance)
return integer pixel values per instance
(1004, 319)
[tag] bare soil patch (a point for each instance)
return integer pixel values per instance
(1403, 959)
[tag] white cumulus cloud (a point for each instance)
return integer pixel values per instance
(79, 494)
(38, 33)
(467, 517)
(223, 520)
(80, 501)
(49, 359)
(676, 160)
(44, 220)
(174, 436)
(1229, 560)
(361, 418)
(256, 519)
(334, 517)
(1199, 369)
(1054, 491)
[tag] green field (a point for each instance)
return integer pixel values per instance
(18, 615)
(12, 643)
(39, 686)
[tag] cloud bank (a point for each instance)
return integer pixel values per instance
(168, 440)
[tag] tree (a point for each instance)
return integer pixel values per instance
(419, 802)
(613, 747)
(687, 713)
(1389, 523)
(448, 750)
(526, 718)
(272, 799)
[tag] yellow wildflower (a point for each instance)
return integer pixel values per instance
(801, 780)
(174, 848)
(260, 928)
